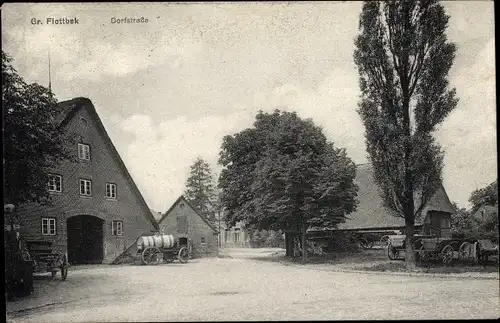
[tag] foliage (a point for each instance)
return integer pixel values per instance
(485, 212)
(275, 239)
(283, 174)
(485, 225)
(33, 142)
(200, 189)
(342, 242)
(267, 239)
(461, 221)
(403, 59)
(485, 196)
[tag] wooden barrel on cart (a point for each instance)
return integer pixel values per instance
(163, 241)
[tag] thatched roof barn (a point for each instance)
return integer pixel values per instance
(371, 214)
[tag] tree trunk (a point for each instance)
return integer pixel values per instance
(410, 252)
(304, 248)
(287, 244)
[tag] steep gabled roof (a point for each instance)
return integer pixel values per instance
(183, 199)
(371, 212)
(68, 109)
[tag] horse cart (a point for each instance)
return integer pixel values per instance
(152, 249)
(45, 260)
(428, 248)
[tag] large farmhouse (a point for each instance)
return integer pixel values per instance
(190, 228)
(96, 210)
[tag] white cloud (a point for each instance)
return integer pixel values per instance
(161, 153)
(468, 135)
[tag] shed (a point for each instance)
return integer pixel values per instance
(186, 224)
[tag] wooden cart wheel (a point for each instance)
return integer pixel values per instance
(366, 243)
(384, 240)
(464, 252)
(447, 254)
(183, 255)
(150, 256)
(392, 253)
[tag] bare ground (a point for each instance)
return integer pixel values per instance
(243, 288)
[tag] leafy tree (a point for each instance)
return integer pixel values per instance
(274, 239)
(255, 239)
(486, 226)
(461, 221)
(264, 235)
(33, 142)
(485, 196)
(200, 189)
(485, 207)
(283, 174)
(403, 59)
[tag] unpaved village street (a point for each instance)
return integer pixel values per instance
(240, 288)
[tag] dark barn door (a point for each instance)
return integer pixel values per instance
(85, 240)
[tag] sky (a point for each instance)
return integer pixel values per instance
(168, 90)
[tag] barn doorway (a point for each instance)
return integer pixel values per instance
(85, 239)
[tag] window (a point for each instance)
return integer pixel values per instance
(84, 151)
(117, 228)
(55, 183)
(203, 242)
(48, 226)
(111, 191)
(85, 187)
(83, 123)
(236, 237)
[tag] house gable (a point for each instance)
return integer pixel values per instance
(71, 112)
(174, 210)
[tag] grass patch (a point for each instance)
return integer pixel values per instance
(431, 269)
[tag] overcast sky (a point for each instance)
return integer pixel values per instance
(168, 90)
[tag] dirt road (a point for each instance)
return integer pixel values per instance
(246, 289)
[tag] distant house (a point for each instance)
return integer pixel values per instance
(187, 225)
(97, 210)
(372, 215)
(234, 236)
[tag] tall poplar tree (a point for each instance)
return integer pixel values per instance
(403, 59)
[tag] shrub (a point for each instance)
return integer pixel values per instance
(342, 242)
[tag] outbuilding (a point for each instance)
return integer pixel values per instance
(190, 227)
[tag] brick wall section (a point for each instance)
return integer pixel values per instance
(197, 228)
(103, 168)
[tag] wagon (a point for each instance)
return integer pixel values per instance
(45, 260)
(152, 248)
(434, 248)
